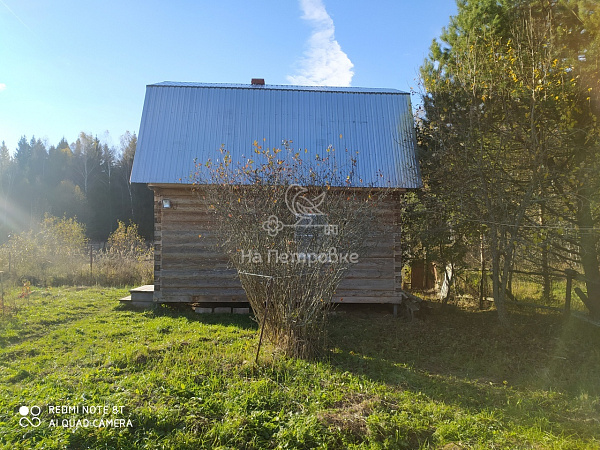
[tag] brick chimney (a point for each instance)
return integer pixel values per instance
(258, 81)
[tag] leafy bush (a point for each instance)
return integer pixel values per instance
(126, 241)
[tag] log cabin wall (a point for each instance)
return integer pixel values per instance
(188, 269)
(377, 277)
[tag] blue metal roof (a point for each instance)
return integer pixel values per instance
(183, 122)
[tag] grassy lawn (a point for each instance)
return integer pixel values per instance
(182, 380)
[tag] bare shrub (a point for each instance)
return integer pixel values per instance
(292, 229)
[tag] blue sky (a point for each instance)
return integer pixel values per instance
(70, 65)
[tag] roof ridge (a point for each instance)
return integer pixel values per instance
(280, 87)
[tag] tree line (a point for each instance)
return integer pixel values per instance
(510, 143)
(86, 179)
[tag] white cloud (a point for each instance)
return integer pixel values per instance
(2, 86)
(324, 63)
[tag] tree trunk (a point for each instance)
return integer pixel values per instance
(130, 191)
(545, 264)
(546, 284)
(499, 285)
(589, 257)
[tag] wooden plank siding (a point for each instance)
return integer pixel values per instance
(189, 269)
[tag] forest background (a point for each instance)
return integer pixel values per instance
(86, 179)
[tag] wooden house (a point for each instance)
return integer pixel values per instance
(184, 122)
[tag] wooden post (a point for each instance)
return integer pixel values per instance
(91, 262)
(482, 281)
(570, 274)
(425, 272)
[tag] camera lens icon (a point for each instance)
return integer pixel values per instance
(26, 412)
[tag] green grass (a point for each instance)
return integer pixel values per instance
(189, 381)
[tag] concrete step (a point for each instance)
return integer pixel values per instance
(143, 293)
(140, 297)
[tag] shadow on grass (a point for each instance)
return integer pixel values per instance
(244, 321)
(467, 359)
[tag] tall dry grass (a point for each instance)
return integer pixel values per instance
(57, 253)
